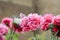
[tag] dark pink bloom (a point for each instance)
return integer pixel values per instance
(3, 29)
(45, 26)
(17, 28)
(57, 20)
(54, 29)
(56, 23)
(7, 21)
(47, 20)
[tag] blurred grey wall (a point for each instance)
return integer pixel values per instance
(27, 6)
(14, 7)
(49, 6)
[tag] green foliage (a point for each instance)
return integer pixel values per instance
(14, 36)
(39, 36)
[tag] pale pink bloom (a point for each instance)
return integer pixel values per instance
(2, 37)
(57, 20)
(48, 19)
(22, 15)
(34, 21)
(3, 29)
(24, 21)
(24, 24)
(7, 21)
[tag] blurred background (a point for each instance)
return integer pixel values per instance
(9, 8)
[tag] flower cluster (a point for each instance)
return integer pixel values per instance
(31, 22)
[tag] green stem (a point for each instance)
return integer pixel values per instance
(11, 36)
(35, 35)
(13, 33)
(57, 38)
(53, 37)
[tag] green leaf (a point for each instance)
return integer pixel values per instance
(51, 26)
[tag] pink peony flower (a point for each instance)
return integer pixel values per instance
(24, 21)
(34, 21)
(31, 22)
(47, 20)
(2, 37)
(24, 24)
(7, 21)
(57, 20)
(44, 26)
(25, 29)
(3, 29)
